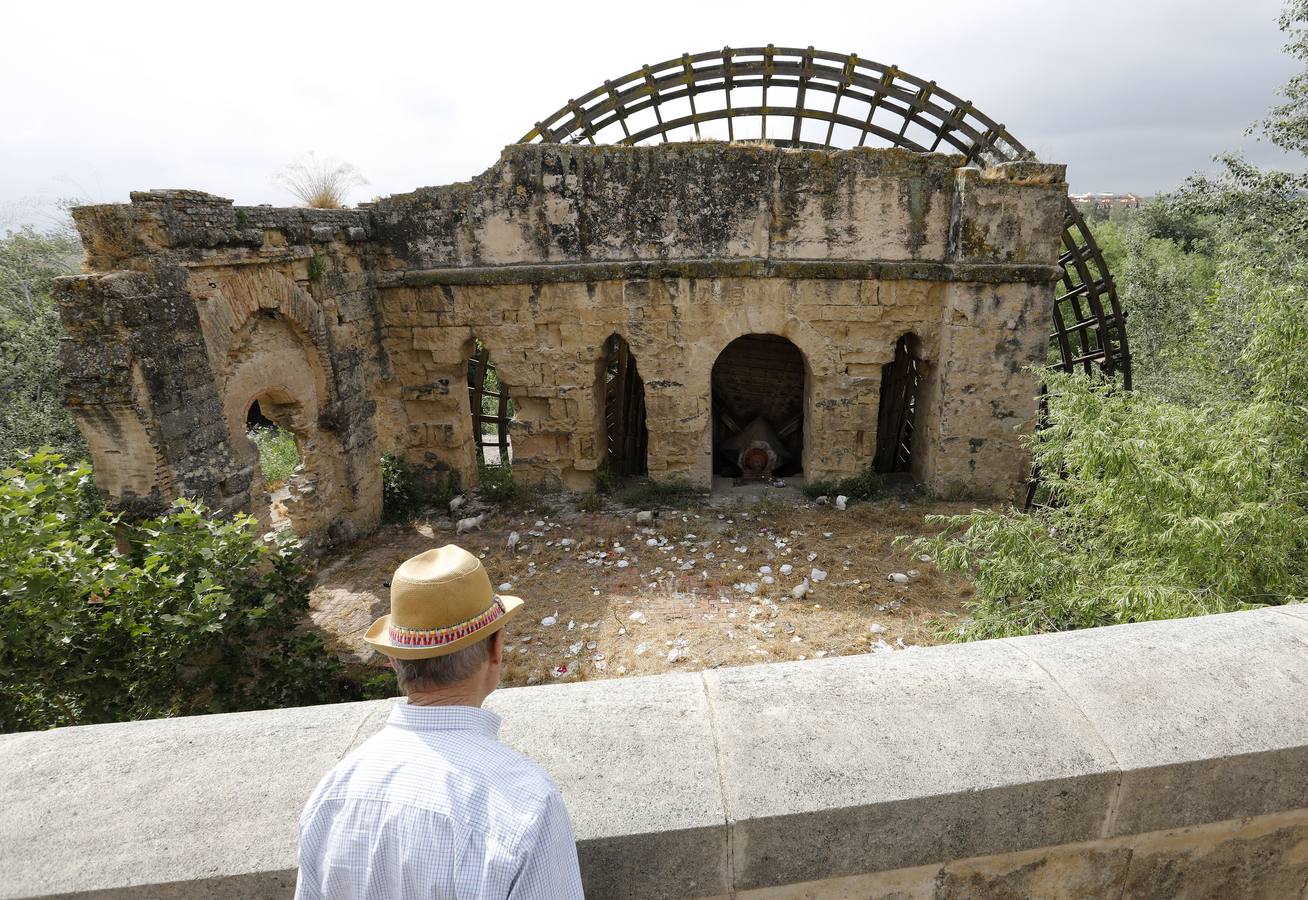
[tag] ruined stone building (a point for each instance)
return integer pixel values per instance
(684, 310)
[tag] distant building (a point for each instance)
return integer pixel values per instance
(1106, 201)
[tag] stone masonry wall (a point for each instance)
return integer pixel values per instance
(354, 326)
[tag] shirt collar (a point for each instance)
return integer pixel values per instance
(444, 718)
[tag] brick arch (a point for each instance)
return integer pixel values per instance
(232, 300)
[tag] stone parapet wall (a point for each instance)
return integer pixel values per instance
(355, 326)
(1156, 760)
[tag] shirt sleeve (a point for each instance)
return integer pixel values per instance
(548, 861)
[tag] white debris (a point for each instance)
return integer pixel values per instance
(787, 569)
(765, 570)
(642, 648)
(675, 654)
(468, 524)
(924, 557)
(768, 579)
(644, 517)
(591, 645)
(622, 563)
(750, 587)
(897, 578)
(637, 616)
(812, 556)
(559, 671)
(841, 502)
(575, 648)
(823, 499)
(505, 587)
(513, 542)
(652, 542)
(877, 628)
(549, 620)
(817, 575)
(914, 573)
(799, 590)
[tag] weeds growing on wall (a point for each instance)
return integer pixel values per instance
(866, 485)
(278, 455)
(186, 613)
(495, 483)
(404, 494)
(651, 493)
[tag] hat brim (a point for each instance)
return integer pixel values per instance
(378, 635)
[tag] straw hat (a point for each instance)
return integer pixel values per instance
(441, 601)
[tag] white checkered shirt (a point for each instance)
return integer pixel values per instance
(433, 806)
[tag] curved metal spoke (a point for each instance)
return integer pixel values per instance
(817, 99)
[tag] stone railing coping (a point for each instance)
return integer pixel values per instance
(696, 784)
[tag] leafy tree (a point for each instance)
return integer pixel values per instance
(32, 414)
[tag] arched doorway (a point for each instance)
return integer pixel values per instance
(901, 381)
(623, 390)
(284, 490)
(491, 408)
(759, 384)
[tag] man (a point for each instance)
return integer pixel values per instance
(433, 805)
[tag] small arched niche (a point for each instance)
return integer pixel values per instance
(491, 408)
(623, 392)
(901, 385)
(759, 383)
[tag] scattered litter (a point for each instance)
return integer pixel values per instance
(877, 628)
(642, 648)
(560, 670)
(913, 573)
(505, 587)
(622, 563)
(841, 502)
(549, 620)
(787, 569)
(817, 575)
(513, 542)
(925, 557)
(897, 578)
(637, 616)
(644, 517)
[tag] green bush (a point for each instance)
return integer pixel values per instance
(278, 455)
(495, 483)
(103, 621)
(1160, 510)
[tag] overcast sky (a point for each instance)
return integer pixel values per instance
(102, 98)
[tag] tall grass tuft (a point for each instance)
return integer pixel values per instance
(321, 183)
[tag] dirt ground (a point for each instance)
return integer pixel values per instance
(710, 585)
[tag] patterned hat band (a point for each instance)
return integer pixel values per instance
(436, 637)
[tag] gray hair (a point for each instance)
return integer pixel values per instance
(441, 671)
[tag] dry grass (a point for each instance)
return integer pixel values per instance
(613, 620)
(321, 183)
